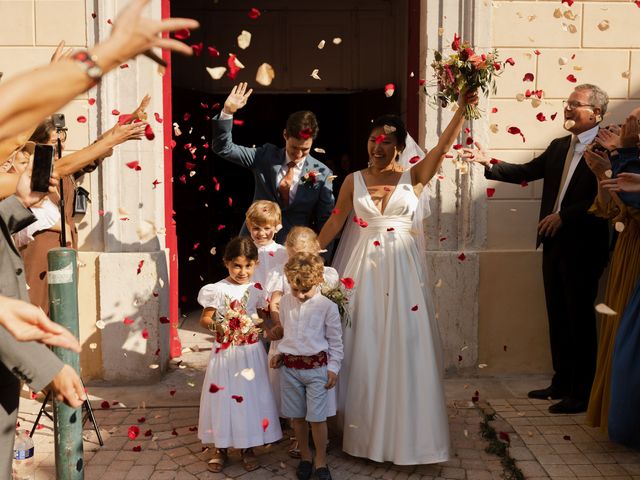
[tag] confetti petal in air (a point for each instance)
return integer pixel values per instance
(491, 192)
(92, 101)
(337, 41)
(254, 13)
(541, 118)
(115, 112)
(127, 321)
(414, 308)
(234, 66)
(335, 211)
(348, 282)
(244, 39)
(237, 398)
(248, 374)
(216, 72)
(315, 74)
(389, 89)
(265, 424)
(510, 61)
(462, 257)
(321, 44)
(105, 405)
(572, 78)
(145, 334)
(265, 74)
(380, 138)
(137, 448)
(134, 165)
(605, 309)
(182, 34)
(528, 77)
(148, 132)
(569, 124)
(140, 264)
(414, 159)
(305, 133)
(197, 49)
(515, 131)
(81, 119)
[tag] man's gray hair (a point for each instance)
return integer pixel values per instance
(597, 97)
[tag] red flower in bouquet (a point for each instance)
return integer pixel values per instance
(234, 323)
(455, 45)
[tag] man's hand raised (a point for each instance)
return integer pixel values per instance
(237, 98)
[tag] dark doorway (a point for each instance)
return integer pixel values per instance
(212, 195)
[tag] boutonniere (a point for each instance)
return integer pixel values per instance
(310, 178)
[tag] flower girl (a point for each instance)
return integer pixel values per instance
(237, 408)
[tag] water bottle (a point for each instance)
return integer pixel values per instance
(24, 467)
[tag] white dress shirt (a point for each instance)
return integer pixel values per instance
(297, 170)
(311, 327)
(584, 140)
(267, 273)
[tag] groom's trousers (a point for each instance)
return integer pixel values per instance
(571, 274)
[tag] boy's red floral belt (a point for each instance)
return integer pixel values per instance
(303, 362)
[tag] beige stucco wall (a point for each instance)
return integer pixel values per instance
(511, 308)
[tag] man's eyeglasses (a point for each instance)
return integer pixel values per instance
(567, 105)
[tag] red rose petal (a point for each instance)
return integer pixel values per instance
(148, 433)
(115, 112)
(238, 122)
(174, 432)
(476, 397)
(193, 429)
(504, 436)
(92, 101)
(254, 13)
(81, 119)
(140, 264)
(137, 448)
(380, 138)
(414, 308)
(335, 211)
(554, 115)
(568, 2)
(93, 15)
(133, 432)
(305, 133)
(230, 201)
(237, 398)
(414, 159)
(257, 285)
(541, 118)
(490, 192)
(233, 68)
(637, 4)
(155, 183)
(109, 21)
(494, 110)
(516, 131)
(124, 65)
(469, 141)
(145, 334)
(376, 243)
(422, 81)
(221, 227)
(142, 420)
(148, 132)
(536, 51)
(127, 321)
(571, 77)
(182, 34)
(567, 437)
(457, 146)
(134, 165)
(348, 282)
(265, 424)
(391, 229)
(164, 320)
(197, 49)
(158, 117)
(172, 392)
(510, 61)
(493, 161)
(462, 257)
(528, 77)
(105, 405)
(524, 183)
(213, 388)
(213, 51)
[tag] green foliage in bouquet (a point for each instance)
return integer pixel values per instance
(340, 296)
(463, 71)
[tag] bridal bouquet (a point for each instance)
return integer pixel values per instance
(236, 326)
(463, 70)
(340, 295)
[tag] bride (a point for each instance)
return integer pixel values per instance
(390, 387)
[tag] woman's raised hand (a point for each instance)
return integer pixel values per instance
(61, 52)
(237, 98)
(624, 182)
(140, 113)
(134, 34)
(597, 162)
(124, 133)
(629, 134)
(470, 97)
(607, 138)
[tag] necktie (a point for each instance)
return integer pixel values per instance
(565, 171)
(285, 184)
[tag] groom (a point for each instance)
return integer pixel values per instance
(575, 246)
(288, 176)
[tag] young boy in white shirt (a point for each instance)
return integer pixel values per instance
(310, 354)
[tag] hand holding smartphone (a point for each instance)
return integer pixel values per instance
(42, 168)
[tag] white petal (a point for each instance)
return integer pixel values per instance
(216, 72)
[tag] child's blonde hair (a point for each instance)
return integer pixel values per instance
(304, 271)
(302, 239)
(264, 212)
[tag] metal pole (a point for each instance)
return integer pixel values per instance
(63, 305)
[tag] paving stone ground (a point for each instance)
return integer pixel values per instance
(545, 446)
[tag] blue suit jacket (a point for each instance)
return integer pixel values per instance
(312, 203)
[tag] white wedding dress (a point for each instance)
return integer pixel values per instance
(390, 385)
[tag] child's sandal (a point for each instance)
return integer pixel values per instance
(249, 460)
(294, 449)
(216, 464)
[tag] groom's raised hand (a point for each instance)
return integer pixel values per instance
(237, 98)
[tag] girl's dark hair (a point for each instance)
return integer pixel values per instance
(240, 247)
(43, 132)
(392, 121)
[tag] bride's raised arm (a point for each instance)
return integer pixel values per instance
(343, 207)
(424, 171)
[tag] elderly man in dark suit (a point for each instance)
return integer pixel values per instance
(30, 362)
(575, 243)
(288, 176)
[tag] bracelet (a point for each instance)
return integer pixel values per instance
(89, 64)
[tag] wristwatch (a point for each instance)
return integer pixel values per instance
(88, 64)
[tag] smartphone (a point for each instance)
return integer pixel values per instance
(58, 120)
(42, 168)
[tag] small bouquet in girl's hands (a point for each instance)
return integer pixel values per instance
(236, 326)
(340, 295)
(463, 71)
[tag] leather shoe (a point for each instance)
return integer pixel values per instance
(547, 393)
(568, 405)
